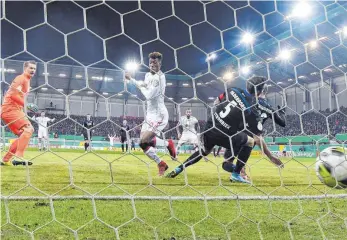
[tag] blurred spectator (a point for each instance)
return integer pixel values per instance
(309, 123)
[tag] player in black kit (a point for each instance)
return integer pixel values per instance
(124, 135)
(87, 134)
(234, 121)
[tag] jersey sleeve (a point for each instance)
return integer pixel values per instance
(16, 89)
(277, 116)
(151, 90)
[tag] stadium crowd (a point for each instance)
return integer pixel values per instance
(310, 123)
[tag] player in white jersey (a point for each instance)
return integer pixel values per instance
(157, 116)
(112, 138)
(189, 133)
(42, 133)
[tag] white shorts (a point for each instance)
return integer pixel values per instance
(189, 138)
(155, 123)
(42, 133)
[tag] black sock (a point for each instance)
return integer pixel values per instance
(228, 166)
(126, 147)
(85, 146)
(194, 158)
(122, 147)
(242, 158)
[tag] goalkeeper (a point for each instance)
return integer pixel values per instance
(14, 117)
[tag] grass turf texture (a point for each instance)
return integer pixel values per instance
(110, 174)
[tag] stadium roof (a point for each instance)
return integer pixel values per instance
(115, 32)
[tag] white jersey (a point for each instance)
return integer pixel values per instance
(42, 121)
(188, 124)
(153, 88)
(112, 139)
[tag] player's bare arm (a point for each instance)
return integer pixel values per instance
(259, 140)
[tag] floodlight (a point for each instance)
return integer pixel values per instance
(247, 38)
(285, 55)
(302, 10)
(245, 69)
(228, 76)
(131, 66)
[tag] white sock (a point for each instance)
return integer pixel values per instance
(161, 142)
(45, 143)
(153, 155)
(40, 144)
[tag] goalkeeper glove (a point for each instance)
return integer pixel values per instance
(32, 107)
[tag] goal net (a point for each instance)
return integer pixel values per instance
(87, 182)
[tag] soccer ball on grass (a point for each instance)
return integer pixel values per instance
(331, 167)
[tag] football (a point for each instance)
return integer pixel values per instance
(331, 167)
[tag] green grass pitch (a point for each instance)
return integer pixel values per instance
(110, 174)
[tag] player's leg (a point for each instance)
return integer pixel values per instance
(11, 151)
(45, 139)
(18, 123)
(90, 140)
(126, 146)
(169, 144)
(39, 143)
(122, 143)
(157, 125)
(208, 144)
(146, 144)
(229, 156)
(246, 144)
(180, 144)
(86, 140)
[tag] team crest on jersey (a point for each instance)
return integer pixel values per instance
(155, 82)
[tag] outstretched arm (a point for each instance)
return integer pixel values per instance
(259, 140)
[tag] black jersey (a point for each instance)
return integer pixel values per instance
(237, 113)
(266, 111)
(88, 124)
(123, 131)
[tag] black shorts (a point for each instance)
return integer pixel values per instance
(123, 139)
(85, 135)
(214, 137)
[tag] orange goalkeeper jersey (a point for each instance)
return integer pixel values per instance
(14, 97)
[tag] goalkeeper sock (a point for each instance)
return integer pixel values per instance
(242, 158)
(11, 151)
(151, 153)
(122, 147)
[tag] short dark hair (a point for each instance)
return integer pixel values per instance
(156, 55)
(256, 85)
(26, 63)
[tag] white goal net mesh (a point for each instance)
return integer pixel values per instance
(112, 190)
